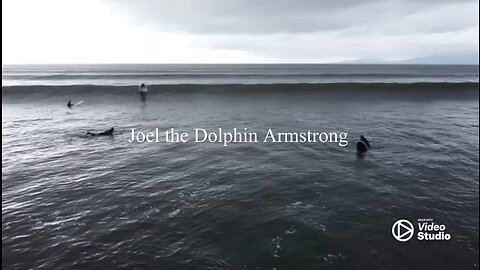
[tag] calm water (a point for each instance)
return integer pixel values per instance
(70, 201)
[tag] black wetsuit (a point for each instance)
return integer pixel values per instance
(70, 104)
(367, 143)
(361, 147)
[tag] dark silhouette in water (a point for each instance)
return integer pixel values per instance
(363, 139)
(362, 146)
(143, 92)
(69, 105)
(105, 133)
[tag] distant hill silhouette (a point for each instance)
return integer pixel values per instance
(459, 59)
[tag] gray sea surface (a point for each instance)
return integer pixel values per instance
(71, 201)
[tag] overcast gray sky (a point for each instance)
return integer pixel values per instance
(237, 31)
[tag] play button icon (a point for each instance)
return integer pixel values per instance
(402, 230)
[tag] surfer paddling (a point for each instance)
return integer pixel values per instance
(70, 104)
(105, 133)
(143, 92)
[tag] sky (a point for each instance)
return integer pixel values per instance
(238, 31)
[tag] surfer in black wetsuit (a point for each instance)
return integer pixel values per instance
(69, 105)
(367, 143)
(362, 146)
(143, 92)
(105, 133)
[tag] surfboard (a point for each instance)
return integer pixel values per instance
(361, 147)
(78, 103)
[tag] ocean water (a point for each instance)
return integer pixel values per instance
(75, 202)
(233, 74)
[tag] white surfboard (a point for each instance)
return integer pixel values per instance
(78, 103)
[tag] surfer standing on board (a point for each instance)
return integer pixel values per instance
(143, 92)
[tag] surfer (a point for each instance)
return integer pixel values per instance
(70, 104)
(362, 146)
(143, 92)
(105, 133)
(363, 139)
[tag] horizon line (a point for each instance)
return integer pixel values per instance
(254, 63)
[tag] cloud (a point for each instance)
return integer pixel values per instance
(314, 30)
(299, 16)
(340, 46)
(221, 31)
